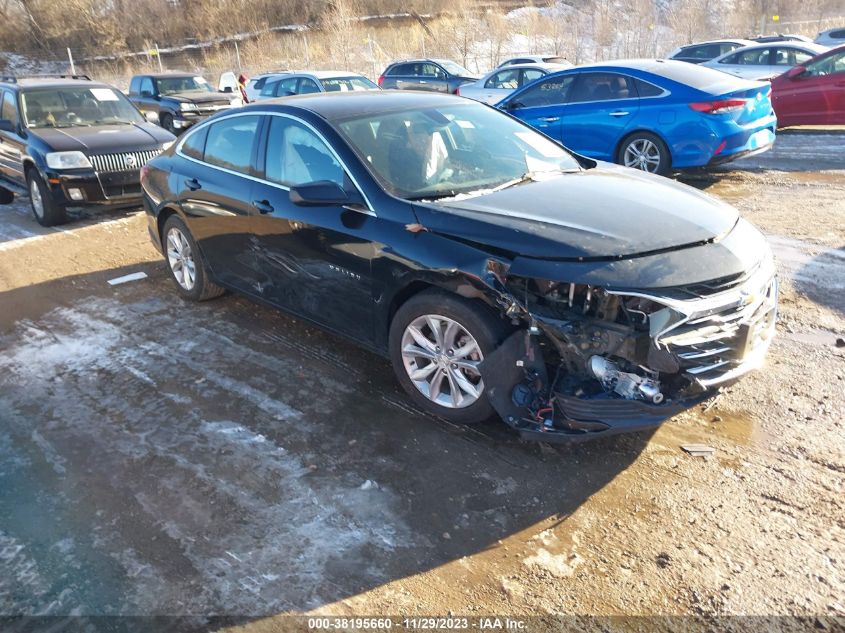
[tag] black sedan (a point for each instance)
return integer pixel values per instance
(499, 272)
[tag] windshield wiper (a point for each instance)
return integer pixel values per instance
(531, 176)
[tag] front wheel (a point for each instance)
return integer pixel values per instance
(44, 208)
(167, 123)
(645, 151)
(437, 341)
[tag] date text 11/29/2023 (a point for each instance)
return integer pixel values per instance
(418, 623)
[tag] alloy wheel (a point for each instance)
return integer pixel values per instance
(441, 358)
(35, 197)
(642, 154)
(181, 259)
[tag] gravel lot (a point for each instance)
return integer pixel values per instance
(158, 457)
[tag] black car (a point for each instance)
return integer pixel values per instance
(72, 142)
(179, 100)
(435, 75)
(498, 271)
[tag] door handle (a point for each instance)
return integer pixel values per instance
(262, 206)
(619, 113)
(193, 184)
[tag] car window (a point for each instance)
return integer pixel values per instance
(10, 108)
(259, 83)
(401, 69)
(702, 52)
(296, 155)
(837, 35)
(194, 144)
(307, 86)
(269, 89)
(347, 84)
(555, 60)
(285, 87)
(602, 87)
(551, 91)
(147, 85)
(754, 57)
(646, 89)
(727, 47)
(789, 56)
(176, 85)
(504, 80)
(229, 143)
(529, 75)
(830, 65)
(135, 85)
(432, 70)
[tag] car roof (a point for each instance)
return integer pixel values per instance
(338, 105)
(54, 82)
(724, 40)
(325, 74)
(551, 66)
(654, 66)
(807, 46)
(169, 74)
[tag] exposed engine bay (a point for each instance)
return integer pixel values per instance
(590, 360)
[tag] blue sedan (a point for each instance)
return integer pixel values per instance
(655, 115)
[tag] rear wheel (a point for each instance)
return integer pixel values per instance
(437, 341)
(185, 263)
(44, 208)
(645, 151)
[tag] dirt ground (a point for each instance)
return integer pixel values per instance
(158, 457)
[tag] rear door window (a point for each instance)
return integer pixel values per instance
(286, 87)
(194, 145)
(529, 75)
(755, 57)
(602, 87)
(401, 69)
(230, 141)
(783, 56)
(307, 86)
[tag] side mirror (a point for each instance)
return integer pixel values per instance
(513, 105)
(7, 126)
(228, 89)
(323, 193)
(795, 72)
(151, 116)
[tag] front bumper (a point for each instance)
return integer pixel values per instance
(183, 119)
(88, 188)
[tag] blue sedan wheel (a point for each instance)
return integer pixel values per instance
(646, 152)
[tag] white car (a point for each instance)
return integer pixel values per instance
(831, 37)
(308, 81)
(700, 52)
(764, 61)
(500, 82)
(536, 59)
(256, 84)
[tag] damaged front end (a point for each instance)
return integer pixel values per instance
(589, 360)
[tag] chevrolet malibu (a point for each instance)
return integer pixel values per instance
(499, 272)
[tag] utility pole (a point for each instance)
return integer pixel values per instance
(307, 56)
(238, 55)
(158, 55)
(70, 59)
(372, 54)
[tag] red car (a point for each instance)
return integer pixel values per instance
(812, 93)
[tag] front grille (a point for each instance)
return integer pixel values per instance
(724, 342)
(211, 109)
(119, 191)
(123, 161)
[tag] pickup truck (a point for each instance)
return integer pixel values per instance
(180, 100)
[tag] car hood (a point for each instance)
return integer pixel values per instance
(602, 213)
(202, 98)
(103, 138)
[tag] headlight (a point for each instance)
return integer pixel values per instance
(166, 146)
(187, 107)
(67, 160)
(236, 102)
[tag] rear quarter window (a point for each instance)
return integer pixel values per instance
(194, 145)
(646, 89)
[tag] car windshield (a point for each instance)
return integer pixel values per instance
(74, 106)
(347, 84)
(427, 153)
(454, 69)
(175, 85)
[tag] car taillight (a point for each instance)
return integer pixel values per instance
(380, 80)
(719, 106)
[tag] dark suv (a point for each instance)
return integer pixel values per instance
(438, 75)
(179, 99)
(72, 142)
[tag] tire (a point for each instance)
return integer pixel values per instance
(185, 263)
(645, 151)
(44, 208)
(460, 321)
(167, 123)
